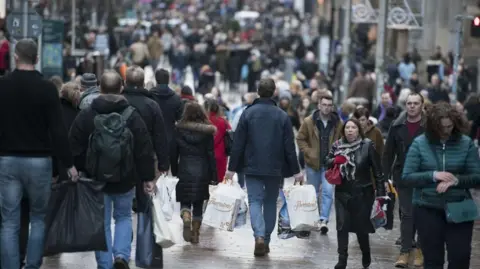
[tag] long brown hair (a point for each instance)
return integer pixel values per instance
(194, 112)
(441, 111)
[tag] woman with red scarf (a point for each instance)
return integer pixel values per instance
(215, 115)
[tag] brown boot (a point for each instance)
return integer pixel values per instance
(259, 247)
(187, 225)
(402, 261)
(418, 258)
(267, 249)
(196, 231)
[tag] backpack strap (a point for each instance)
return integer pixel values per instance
(127, 112)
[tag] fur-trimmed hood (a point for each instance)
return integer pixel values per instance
(195, 133)
(197, 127)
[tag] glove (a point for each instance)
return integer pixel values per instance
(340, 159)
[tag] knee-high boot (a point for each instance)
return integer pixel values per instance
(342, 239)
(364, 242)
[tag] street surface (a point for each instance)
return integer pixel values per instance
(234, 250)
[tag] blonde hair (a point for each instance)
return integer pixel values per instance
(71, 92)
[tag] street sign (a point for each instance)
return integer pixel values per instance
(16, 23)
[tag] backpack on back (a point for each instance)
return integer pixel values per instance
(110, 148)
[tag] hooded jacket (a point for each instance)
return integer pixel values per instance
(83, 127)
(171, 105)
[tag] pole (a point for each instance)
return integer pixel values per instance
(74, 25)
(380, 52)
(346, 51)
(25, 18)
(458, 48)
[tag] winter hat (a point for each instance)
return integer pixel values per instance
(88, 80)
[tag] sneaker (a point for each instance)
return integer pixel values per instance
(324, 228)
(120, 263)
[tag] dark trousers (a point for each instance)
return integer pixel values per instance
(434, 233)
(195, 207)
(342, 239)
(407, 223)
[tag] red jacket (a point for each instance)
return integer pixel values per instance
(219, 144)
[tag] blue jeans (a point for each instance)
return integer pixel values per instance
(34, 176)
(262, 200)
(122, 243)
(317, 178)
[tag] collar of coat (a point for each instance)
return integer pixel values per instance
(263, 100)
(198, 127)
(402, 119)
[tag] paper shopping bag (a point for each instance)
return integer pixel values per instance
(302, 208)
(221, 212)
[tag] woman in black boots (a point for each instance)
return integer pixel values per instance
(356, 157)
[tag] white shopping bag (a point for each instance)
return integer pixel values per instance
(161, 228)
(302, 208)
(227, 203)
(166, 194)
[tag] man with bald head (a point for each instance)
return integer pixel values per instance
(112, 111)
(142, 101)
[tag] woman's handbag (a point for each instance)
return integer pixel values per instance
(462, 211)
(333, 175)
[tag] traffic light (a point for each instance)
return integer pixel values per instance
(475, 27)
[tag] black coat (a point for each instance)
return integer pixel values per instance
(69, 113)
(143, 153)
(171, 105)
(196, 161)
(172, 109)
(396, 147)
(354, 199)
(263, 143)
(142, 100)
(151, 113)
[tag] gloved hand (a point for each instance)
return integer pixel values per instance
(340, 159)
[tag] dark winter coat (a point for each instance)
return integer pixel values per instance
(263, 143)
(396, 147)
(172, 109)
(196, 161)
(151, 113)
(69, 113)
(143, 153)
(354, 199)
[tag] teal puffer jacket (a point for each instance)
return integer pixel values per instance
(457, 156)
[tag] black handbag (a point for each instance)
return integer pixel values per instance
(228, 140)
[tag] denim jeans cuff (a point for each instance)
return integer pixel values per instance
(197, 218)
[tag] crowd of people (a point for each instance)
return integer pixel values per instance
(290, 124)
(56, 130)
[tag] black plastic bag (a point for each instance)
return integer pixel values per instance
(75, 218)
